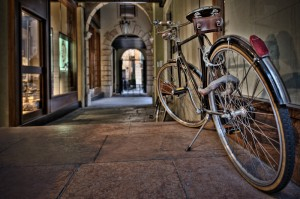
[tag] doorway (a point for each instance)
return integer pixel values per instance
(132, 67)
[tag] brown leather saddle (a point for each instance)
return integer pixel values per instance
(206, 19)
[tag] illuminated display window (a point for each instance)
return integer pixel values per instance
(31, 93)
(63, 57)
(63, 53)
(31, 64)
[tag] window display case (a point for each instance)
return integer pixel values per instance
(31, 92)
(31, 63)
(63, 51)
(30, 41)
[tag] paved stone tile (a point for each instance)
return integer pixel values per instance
(100, 117)
(213, 176)
(51, 150)
(149, 179)
(216, 177)
(33, 182)
(160, 127)
(87, 130)
(107, 115)
(168, 145)
(109, 129)
(7, 140)
(120, 101)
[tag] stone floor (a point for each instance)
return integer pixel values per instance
(110, 153)
(98, 115)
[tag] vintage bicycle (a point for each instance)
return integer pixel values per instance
(239, 87)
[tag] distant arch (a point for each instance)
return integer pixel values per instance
(106, 51)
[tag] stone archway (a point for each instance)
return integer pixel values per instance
(106, 53)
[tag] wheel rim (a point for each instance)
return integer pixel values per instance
(178, 106)
(251, 138)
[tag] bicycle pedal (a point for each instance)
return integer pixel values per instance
(167, 88)
(180, 90)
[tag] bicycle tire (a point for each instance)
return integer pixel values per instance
(178, 104)
(160, 112)
(259, 141)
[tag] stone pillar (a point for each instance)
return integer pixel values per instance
(80, 55)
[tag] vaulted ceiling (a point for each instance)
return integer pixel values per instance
(161, 2)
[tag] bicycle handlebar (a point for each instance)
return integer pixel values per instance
(168, 33)
(163, 23)
(169, 23)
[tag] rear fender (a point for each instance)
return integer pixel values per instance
(263, 64)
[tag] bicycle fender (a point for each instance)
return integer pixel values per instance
(264, 65)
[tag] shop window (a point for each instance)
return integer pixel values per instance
(31, 92)
(31, 63)
(63, 57)
(30, 41)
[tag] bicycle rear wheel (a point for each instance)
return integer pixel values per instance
(256, 132)
(174, 89)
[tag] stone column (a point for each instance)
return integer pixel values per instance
(80, 55)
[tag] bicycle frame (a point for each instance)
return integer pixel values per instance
(188, 67)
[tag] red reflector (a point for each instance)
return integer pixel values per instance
(259, 46)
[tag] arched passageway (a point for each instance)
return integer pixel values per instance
(138, 30)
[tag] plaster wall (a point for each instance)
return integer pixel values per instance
(179, 9)
(276, 22)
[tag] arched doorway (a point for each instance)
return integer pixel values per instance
(130, 65)
(132, 72)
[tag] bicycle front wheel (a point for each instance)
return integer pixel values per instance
(160, 112)
(256, 132)
(178, 95)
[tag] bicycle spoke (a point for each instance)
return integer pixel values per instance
(256, 143)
